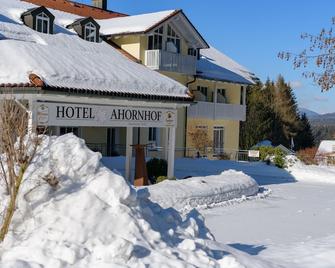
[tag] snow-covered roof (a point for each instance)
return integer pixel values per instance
(213, 64)
(144, 23)
(133, 24)
(64, 60)
(326, 147)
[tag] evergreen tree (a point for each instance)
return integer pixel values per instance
(304, 138)
(272, 113)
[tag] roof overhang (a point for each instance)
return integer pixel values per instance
(180, 23)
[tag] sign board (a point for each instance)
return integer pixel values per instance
(253, 153)
(67, 114)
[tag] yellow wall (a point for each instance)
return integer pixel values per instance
(233, 91)
(231, 132)
(130, 43)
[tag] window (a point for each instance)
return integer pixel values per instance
(242, 96)
(152, 134)
(222, 91)
(65, 130)
(203, 90)
(218, 140)
(172, 41)
(42, 23)
(192, 52)
(155, 41)
(90, 33)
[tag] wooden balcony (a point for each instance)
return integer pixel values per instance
(161, 60)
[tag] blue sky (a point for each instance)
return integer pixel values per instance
(253, 32)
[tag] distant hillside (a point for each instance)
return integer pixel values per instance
(323, 125)
(310, 114)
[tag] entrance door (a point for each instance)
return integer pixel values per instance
(218, 140)
(110, 141)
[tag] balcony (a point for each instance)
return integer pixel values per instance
(217, 111)
(161, 60)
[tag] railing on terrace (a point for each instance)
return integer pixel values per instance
(172, 62)
(214, 111)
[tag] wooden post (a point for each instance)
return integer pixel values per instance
(141, 174)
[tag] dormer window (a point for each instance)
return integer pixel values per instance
(86, 28)
(42, 23)
(90, 32)
(40, 19)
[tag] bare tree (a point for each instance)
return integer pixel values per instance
(200, 140)
(18, 146)
(321, 53)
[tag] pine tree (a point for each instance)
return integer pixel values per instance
(272, 114)
(304, 138)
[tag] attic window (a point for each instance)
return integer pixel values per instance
(172, 41)
(42, 23)
(90, 32)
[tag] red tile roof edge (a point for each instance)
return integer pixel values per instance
(77, 8)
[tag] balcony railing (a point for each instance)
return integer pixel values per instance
(172, 62)
(217, 111)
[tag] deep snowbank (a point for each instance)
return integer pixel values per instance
(310, 173)
(95, 219)
(202, 192)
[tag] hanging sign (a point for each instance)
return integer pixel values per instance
(67, 114)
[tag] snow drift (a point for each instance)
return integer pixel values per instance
(310, 173)
(202, 192)
(94, 218)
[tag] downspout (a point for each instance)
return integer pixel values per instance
(185, 133)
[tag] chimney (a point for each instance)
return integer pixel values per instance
(100, 4)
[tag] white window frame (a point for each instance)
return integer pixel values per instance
(173, 36)
(218, 142)
(92, 36)
(43, 18)
(158, 33)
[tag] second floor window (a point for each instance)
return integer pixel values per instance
(90, 32)
(42, 23)
(172, 41)
(203, 90)
(192, 52)
(155, 41)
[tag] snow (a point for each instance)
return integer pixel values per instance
(214, 64)
(94, 218)
(310, 173)
(200, 192)
(65, 60)
(133, 24)
(326, 147)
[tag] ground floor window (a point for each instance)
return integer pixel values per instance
(218, 136)
(65, 130)
(153, 134)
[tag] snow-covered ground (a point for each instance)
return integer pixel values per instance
(294, 227)
(94, 218)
